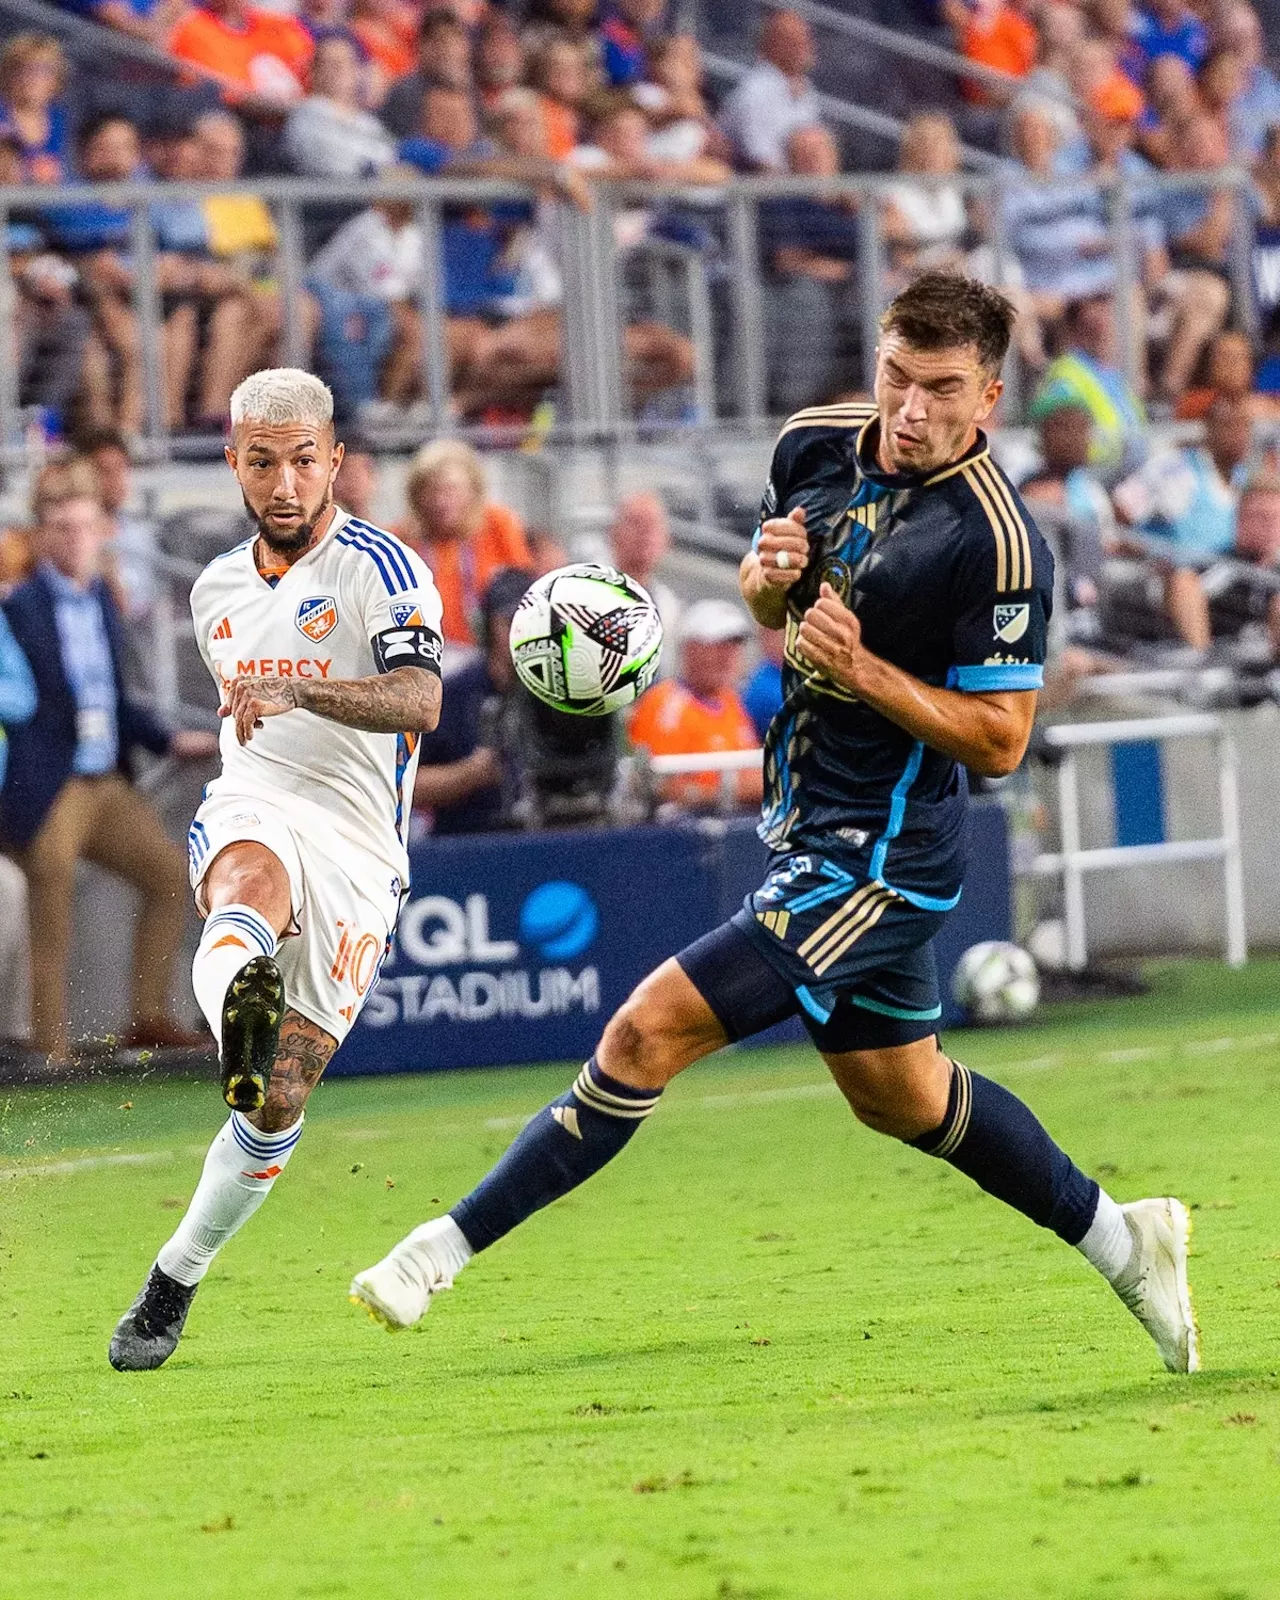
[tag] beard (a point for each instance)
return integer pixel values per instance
(295, 540)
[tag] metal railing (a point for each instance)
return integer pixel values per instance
(727, 289)
(1075, 860)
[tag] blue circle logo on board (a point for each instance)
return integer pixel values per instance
(560, 918)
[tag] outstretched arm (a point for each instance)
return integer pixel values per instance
(988, 732)
(406, 700)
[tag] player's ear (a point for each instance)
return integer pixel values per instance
(229, 452)
(339, 450)
(990, 397)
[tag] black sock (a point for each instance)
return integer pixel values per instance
(565, 1143)
(992, 1137)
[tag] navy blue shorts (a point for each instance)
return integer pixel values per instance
(854, 959)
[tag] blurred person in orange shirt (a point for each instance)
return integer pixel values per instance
(700, 711)
(994, 34)
(461, 536)
(262, 55)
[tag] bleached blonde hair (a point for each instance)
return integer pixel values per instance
(278, 396)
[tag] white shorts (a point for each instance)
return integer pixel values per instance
(344, 901)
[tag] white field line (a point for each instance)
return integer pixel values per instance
(50, 1169)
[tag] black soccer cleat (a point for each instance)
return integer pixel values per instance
(148, 1333)
(251, 1018)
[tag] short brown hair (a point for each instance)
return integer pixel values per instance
(942, 310)
(72, 479)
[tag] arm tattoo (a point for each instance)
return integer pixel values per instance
(305, 1050)
(404, 701)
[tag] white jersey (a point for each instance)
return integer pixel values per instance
(359, 603)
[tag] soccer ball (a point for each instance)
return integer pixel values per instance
(996, 982)
(586, 639)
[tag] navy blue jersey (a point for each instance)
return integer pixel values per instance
(952, 582)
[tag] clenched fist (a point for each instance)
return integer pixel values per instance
(783, 549)
(831, 637)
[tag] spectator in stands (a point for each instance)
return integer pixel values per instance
(1184, 503)
(639, 541)
(671, 97)
(925, 222)
(1170, 28)
(131, 547)
(627, 28)
(467, 775)
(1112, 22)
(1221, 82)
(444, 61)
(1086, 374)
(1099, 81)
(699, 711)
(558, 74)
(810, 250)
(33, 73)
(1258, 107)
(997, 34)
(619, 153)
(261, 56)
(330, 134)
(1258, 522)
(196, 288)
(1229, 375)
(50, 328)
(67, 794)
(1058, 230)
(149, 21)
(1198, 226)
(573, 20)
(775, 98)
(1173, 100)
(499, 60)
(462, 536)
(17, 705)
(1074, 513)
(1047, 86)
(356, 486)
(762, 692)
(387, 32)
(546, 550)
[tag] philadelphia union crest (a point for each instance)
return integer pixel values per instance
(835, 571)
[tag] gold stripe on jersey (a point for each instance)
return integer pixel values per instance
(814, 677)
(1020, 544)
(845, 416)
(956, 466)
(998, 529)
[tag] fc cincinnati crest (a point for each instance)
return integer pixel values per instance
(835, 571)
(317, 617)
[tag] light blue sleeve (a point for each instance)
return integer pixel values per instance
(17, 686)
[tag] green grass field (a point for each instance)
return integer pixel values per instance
(765, 1354)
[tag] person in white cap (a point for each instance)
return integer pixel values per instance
(700, 710)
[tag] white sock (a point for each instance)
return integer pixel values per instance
(232, 935)
(444, 1241)
(242, 1165)
(1108, 1243)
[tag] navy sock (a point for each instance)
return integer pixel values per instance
(992, 1137)
(565, 1143)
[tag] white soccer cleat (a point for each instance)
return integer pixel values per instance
(397, 1291)
(1154, 1283)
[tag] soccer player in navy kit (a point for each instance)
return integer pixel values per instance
(914, 591)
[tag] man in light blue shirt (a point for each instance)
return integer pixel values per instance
(86, 660)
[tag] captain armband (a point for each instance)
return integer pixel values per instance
(412, 646)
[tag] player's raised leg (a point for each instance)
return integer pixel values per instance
(915, 1093)
(234, 974)
(246, 1157)
(663, 1027)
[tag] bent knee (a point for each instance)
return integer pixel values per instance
(644, 1047)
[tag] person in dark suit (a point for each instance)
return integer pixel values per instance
(68, 794)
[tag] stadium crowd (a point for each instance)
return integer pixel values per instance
(566, 95)
(1156, 479)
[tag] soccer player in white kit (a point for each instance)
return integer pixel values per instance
(323, 636)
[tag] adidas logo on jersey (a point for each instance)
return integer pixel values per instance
(223, 630)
